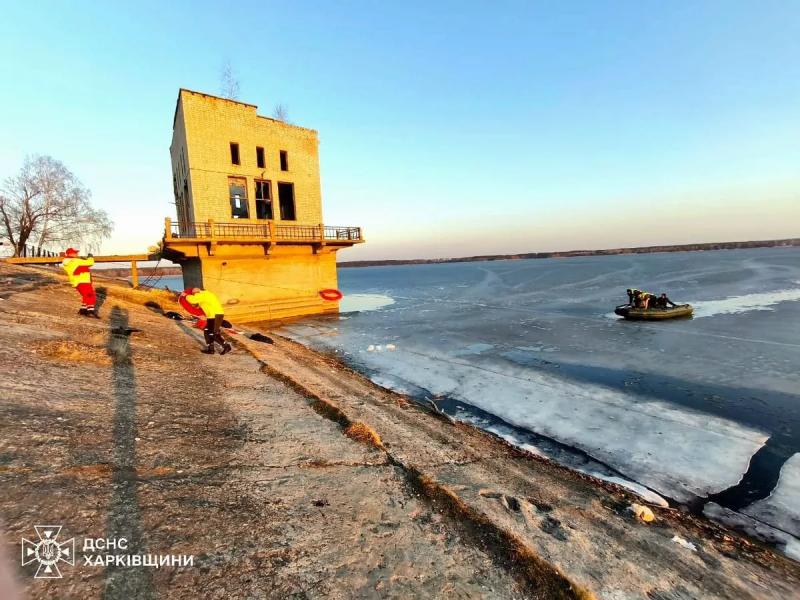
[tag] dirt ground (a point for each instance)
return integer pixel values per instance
(285, 475)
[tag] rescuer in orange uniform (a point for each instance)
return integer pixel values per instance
(80, 278)
(212, 309)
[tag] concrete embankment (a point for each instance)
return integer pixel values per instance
(287, 475)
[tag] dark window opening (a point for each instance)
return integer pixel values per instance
(238, 194)
(286, 201)
(260, 157)
(235, 153)
(263, 200)
(284, 160)
(185, 199)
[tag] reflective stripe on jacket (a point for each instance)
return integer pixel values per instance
(207, 301)
(77, 270)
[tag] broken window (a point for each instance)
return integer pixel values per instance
(284, 160)
(260, 157)
(235, 153)
(286, 201)
(263, 200)
(238, 194)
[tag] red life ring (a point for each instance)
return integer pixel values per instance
(190, 308)
(331, 294)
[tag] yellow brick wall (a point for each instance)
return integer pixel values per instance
(180, 168)
(211, 124)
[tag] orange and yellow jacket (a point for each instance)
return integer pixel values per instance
(78, 270)
(207, 301)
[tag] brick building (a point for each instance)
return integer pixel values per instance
(249, 210)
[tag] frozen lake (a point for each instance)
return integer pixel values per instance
(690, 410)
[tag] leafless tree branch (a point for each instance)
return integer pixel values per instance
(281, 113)
(45, 202)
(228, 82)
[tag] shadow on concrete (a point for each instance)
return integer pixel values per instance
(192, 332)
(124, 519)
(102, 294)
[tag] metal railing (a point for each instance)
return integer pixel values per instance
(267, 231)
(298, 233)
(189, 230)
(253, 230)
(342, 233)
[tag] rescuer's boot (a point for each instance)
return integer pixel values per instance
(208, 349)
(226, 347)
(83, 311)
(91, 313)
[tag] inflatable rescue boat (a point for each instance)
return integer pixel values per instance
(654, 314)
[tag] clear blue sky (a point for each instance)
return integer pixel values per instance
(446, 128)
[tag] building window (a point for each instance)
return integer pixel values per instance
(286, 201)
(284, 160)
(238, 194)
(260, 157)
(263, 200)
(235, 154)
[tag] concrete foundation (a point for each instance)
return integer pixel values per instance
(286, 283)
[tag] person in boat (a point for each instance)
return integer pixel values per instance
(632, 294)
(214, 313)
(662, 301)
(645, 300)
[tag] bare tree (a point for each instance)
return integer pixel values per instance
(228, 82)
(281, 113)
(45, 203)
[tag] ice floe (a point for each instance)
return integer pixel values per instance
(653, 443)
(781, 508)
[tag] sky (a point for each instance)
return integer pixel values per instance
(446, 128)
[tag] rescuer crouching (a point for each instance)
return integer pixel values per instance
(214, 313)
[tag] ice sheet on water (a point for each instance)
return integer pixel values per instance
(679, 453)
(592, 468)
(544, 321)
(781, 508)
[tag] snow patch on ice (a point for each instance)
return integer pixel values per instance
(739, 304)
(364, 302)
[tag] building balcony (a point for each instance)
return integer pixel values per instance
(179, 237)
